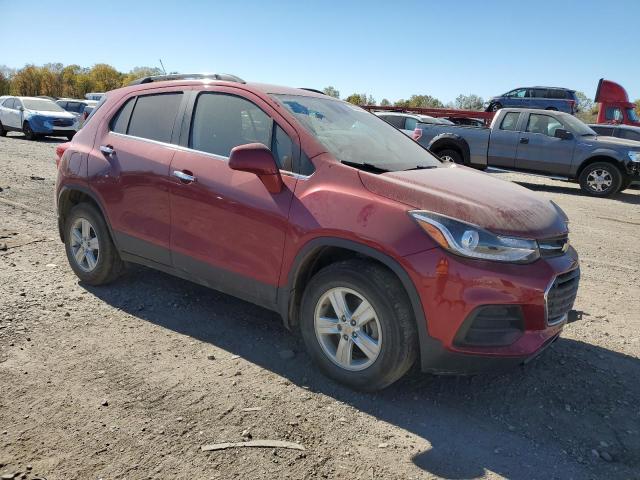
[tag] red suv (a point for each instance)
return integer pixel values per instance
(375, 250)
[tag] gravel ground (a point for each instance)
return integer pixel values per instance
(128, 381)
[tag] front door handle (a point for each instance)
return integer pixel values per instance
(107, 150)
(524, 140)
(184, 176)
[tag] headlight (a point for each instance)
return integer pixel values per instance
(471, 241)
(634, 156)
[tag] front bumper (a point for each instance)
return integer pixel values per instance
(451, 288)
(50, 126)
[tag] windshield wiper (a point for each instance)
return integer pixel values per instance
(369, 167)
(421, 167)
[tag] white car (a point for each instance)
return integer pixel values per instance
(35, 117)
(407, 122)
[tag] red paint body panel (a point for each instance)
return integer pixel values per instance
(611, 94)
(452, 287)
(227, 222)
(474, 197)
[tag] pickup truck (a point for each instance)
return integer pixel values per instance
(541, 142)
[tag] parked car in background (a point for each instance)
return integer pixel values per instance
(544, 98)
(36, 117)
(620, 131)
(75, 106)
(318, 210)
(408, 122)
(553, 144)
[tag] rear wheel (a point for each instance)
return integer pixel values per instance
(90, 250)
(449, 155)
(28, 131)
(358, 325)
(600, 179)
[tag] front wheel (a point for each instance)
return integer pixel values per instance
(90, 250)
(494, 107)
(358, 325)
(28, 131)
(600, 179)
(3, 132)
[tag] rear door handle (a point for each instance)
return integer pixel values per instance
(184, 176)
(107, 150)
(524, 140)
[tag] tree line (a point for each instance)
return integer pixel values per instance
(74, 81)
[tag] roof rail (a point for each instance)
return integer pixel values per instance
(188, 76)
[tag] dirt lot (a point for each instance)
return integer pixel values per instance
(119, 382)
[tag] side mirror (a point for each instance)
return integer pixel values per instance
(257, 159)
(563, 134)
(20, 108)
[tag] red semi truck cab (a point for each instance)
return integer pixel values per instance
(615, 106)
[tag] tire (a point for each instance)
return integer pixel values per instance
(449, 155)
(108, 265)
(494, 107)
(392, 328)
(3, 132)
(600, 172)
(29, 134)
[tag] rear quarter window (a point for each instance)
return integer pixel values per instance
(153, 116)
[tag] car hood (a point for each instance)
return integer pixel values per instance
(41, 113)
(465, 194)
(612, 142)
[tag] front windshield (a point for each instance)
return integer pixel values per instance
(577, 126)
(41, 104)
(354, 135)
(632, 114)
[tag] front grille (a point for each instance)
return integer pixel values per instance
(561, 295)
(63, 122)
(553, 247)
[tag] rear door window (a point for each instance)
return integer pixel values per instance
(153, 116)
(510, 121)
(221, 122)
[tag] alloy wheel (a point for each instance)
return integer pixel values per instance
(348, 329)
(84, 244)
(599, 180)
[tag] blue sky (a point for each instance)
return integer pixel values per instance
(389, 49)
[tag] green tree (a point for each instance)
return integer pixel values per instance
(420, 101)
(385, 103)
(5, 84)
(637, 102)
(105, 77)
(361, 99)
(585, 104)
(140, 72)
(469, 102)
(331, 91)
(26, 81)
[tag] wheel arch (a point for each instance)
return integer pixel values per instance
(601, 158)
(451, 141)
(323, 251)
(71, 195)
